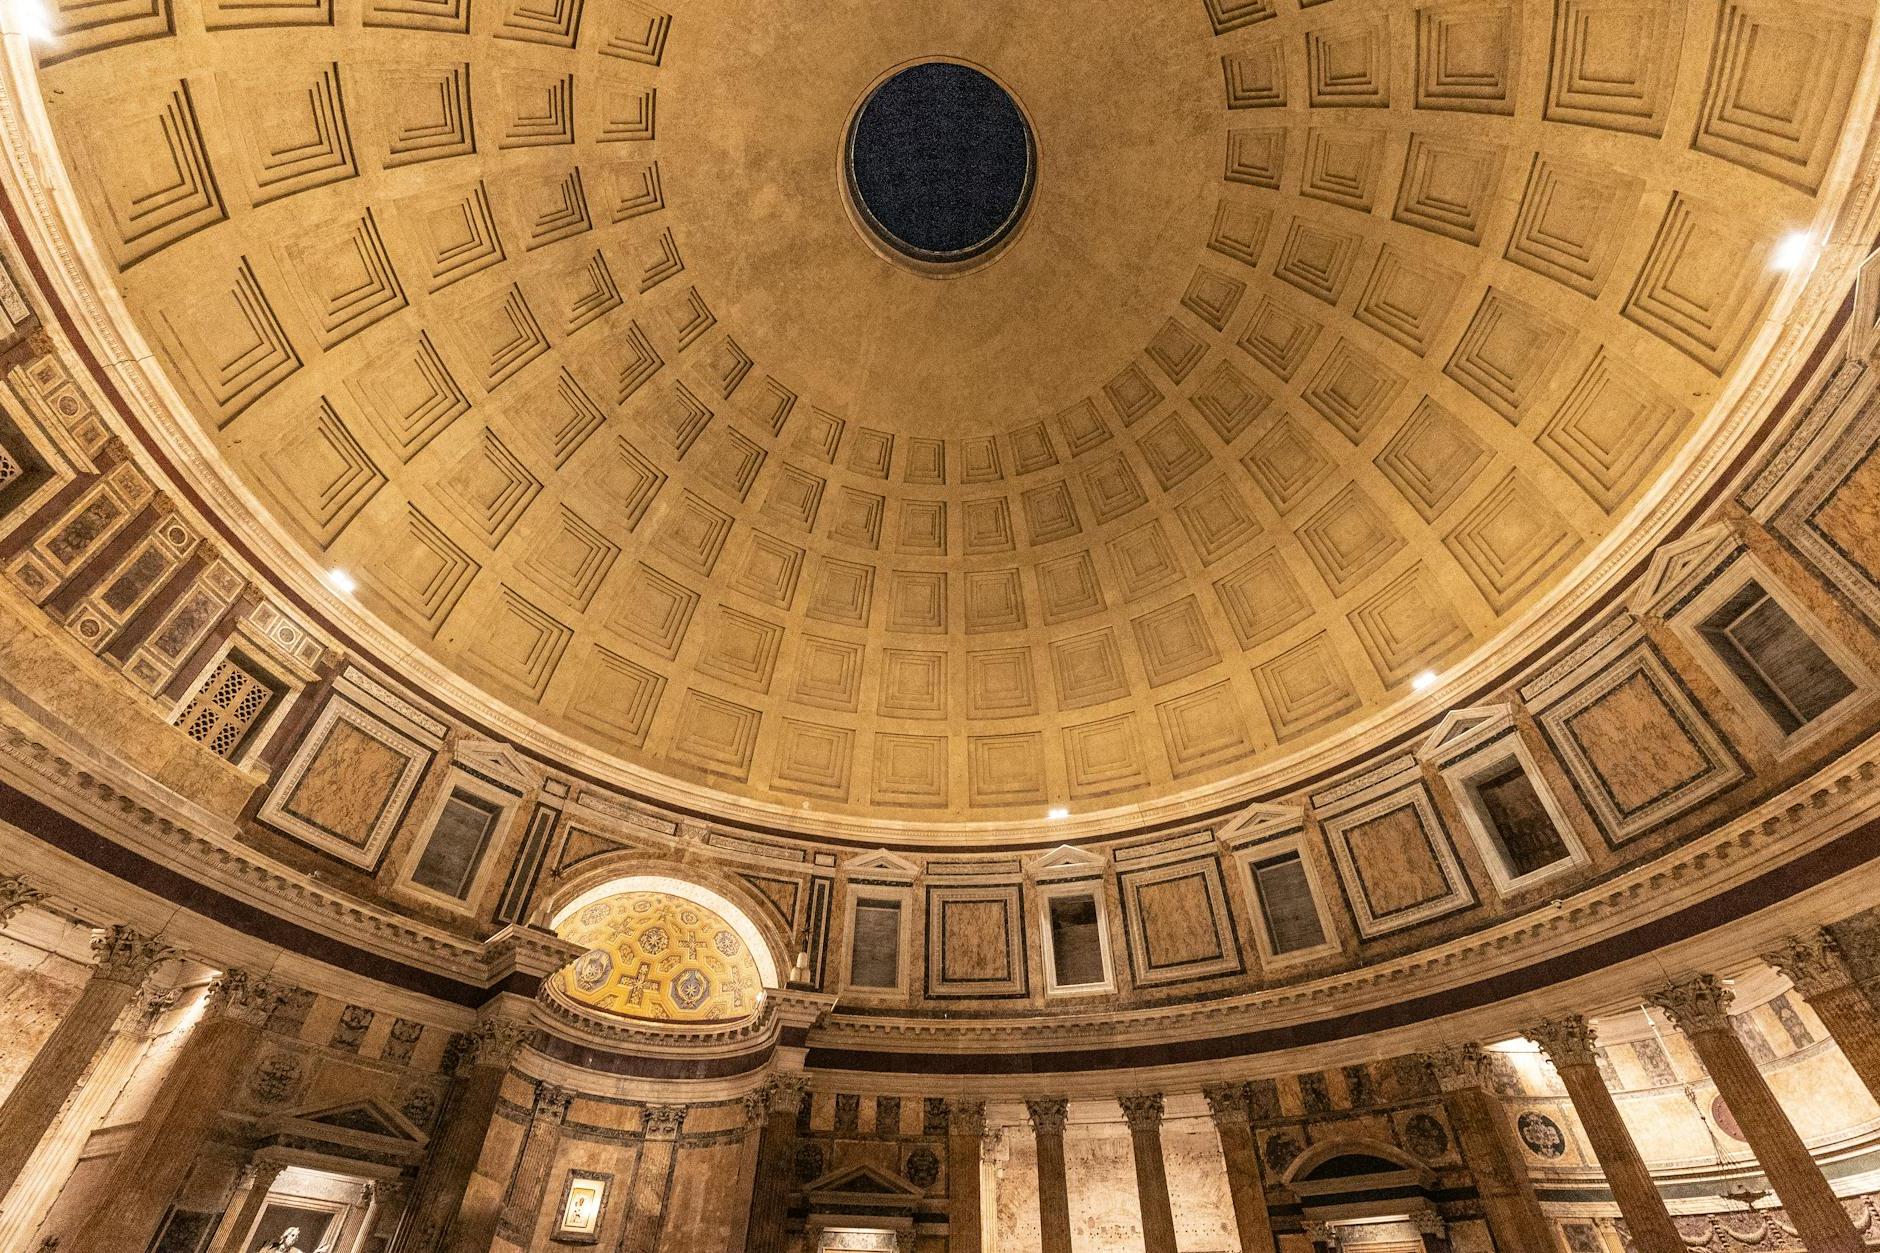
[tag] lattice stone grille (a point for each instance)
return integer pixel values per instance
(10, 467)
(225, 708)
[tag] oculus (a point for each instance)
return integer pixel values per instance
(939, 165)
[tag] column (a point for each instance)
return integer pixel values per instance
(1227, 1102)
(487, 1053)
(121, 957)
(776, 1165)
(358, 1214)
(756, 1114)
(1143, 1112)
(1570, 1043)
(389, 1197)
(176, 1128)
(1814, 964)
(1513, 1211)
(515, 1219)
(652, 1179)
(966, 1140)
(1048, 1114)
(252, 1187)
(1700, 1008)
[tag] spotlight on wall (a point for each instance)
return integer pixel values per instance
(1057, 813)
(341, 582)
(1425, 681)
(1794, 252)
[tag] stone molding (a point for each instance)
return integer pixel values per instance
(1048, 1114)
(1695, 1004)
(1812, 961)
(1142, 1111)
(1568, 1040)
(122, 954)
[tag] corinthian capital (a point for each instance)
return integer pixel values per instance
(1698, 1003)
(1048, 1114)
(16, 894)
(497, 1039)
(1227, 1103)
(551, 1102)
(125, 955)
(242, 997)
(1142, 1110)
(1458, 1066)
(663, 1121)
(1812, 961)
(966, 1117)
(1568, 1040)
(787, 1094)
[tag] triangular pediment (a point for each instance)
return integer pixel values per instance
(1258, 819)
(1460, 725)
(865, 1180)
(882, 862)
(498, 762)
(354, 1119)
(1067, 861)
(1676, 567)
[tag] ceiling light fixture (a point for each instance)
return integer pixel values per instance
(1794, 252)
(342, 582)
(1057, 813)
(1425, 681)
(31, 19)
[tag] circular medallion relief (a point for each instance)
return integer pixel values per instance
(938, 166)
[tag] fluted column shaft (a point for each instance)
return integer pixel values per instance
(389, 1200)
(1143, 1112)
(1814, 964)
(256, 1178)
(1513, 1211)
(652, 1180)
(1245, 1185)
(465, 1126)
(1048, 1114)
(776, 1166)
(1570, 1042)
(176, 1128)
(121, 958)
(1699, 1007)
(966, 1141)
(522, 1200)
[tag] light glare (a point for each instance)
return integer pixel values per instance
(1057, 812)
(32, 20)
(342, 582)
(1794, 252)
(1425, 681)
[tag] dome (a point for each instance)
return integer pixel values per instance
(661, 958)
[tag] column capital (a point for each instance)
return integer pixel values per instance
(1142, 1110)
(1227, 1104)
(756, 1107)
(1321, 1233)
(1458, 1066)
(1812, 961)
(551, 1102)
(495, 1041)
(16, 894)
(1428, 1222)
(1568, 1040)
(1048, 1114)
(259, 1175)
(239, 996)
(385, 1191)
(1694, 1004)
(663, 1122)
(786, 1093)
(966, 1116)
(122, 954)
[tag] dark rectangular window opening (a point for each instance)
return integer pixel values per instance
(875, 948)
(1076, 941)
(22, 470)
(457, 845)
(1788, 675)
(1292, 918)
(1518, 820)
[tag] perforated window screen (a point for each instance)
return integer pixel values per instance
(1292, 920)
(228, 706)
(875, 950)
(10, 468)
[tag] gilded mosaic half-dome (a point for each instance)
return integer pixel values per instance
(659, 957)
